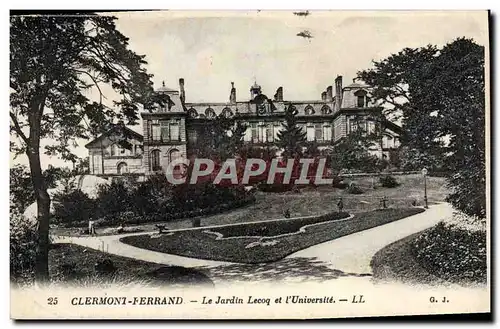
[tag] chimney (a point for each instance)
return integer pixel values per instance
(232, 96)
(278, 97)
(323, 96)
(183, 94)
(338, 92)
(329, 94)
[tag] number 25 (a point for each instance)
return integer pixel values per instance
(52, 300)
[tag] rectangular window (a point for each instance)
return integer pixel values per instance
(276, 129)
(318, 132)
(370, 127)
(174, 132)
(156, 132)
(254, 132)
(310, 133)
(270, 134)
(262, 137)
(248, 134)
(193, 136)
(165, 135)
(353, 126)
(327, 133)
(361, 101)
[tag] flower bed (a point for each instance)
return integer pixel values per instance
(245, 249)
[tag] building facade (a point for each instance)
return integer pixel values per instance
(169, 132)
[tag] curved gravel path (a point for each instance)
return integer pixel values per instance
(349, 255)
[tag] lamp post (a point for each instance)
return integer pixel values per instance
(424, 173)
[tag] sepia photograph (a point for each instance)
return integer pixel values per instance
(250, 164)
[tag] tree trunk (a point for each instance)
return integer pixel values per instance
(41, 194)
(43, 211)
(43, 205)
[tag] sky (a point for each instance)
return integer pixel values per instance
(212, 49)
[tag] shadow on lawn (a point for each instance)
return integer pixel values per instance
(289, 269)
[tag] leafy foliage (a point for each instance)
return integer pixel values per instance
(150, 201)
(56, 64)
(74, 206)
(291, 138)
(23, 240)
(388, 181)
(354, 189)
(21, 185)
(453, 253)
(440, 94)
(220, 138)
(351, 153)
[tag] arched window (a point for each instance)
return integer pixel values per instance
(387, 141)
(192, 113)
(155, 160)
(210, 113)
(122, 168)
(227, 113)
(326, 110)
(174, 154)
(114, 150)
(309, 110)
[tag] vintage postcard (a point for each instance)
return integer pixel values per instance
(249, 164)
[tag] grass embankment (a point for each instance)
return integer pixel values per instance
(73, 264)
(199, 244)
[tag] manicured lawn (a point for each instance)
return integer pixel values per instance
(319, 201)
(73, 264)
(198, 244)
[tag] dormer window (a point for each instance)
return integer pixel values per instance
(309, 110)
(361, 98)
(210, 113)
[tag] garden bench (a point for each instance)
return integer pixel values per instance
(161, 228)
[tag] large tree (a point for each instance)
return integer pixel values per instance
(440, 94)
(219, 138)
(291, 138)
(56, 63)
(352, 152)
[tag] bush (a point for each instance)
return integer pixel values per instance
(114, 199)
(23, 244)
(453, 253)
(388, 181)
(73, 207)
(354, 189)
(150, 201)
(105, 266)
(338, 182)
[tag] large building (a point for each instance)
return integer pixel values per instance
(172, 130)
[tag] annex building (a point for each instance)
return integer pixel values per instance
(171, 131)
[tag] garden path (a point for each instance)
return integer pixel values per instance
(353, 253)
(346, 256)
